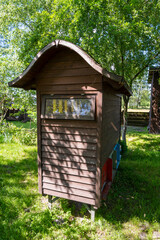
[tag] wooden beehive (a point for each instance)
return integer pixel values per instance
(78, 120)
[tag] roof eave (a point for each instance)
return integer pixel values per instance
(28, 74)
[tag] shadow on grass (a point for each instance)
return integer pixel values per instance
(135, 193)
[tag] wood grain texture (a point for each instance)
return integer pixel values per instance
(69, 196)
(69, 190)
(78, 185)
(69, 147)
(99, 131)
(69, 157)
(63, 163)
(75, 131)
(70, 151)
(39, 157)
(85, 79)
(72, 87)
(74, 124)
(81, 71)
(69, 144)
(110, 122)
(70, 171)
(47, 90)
(154, 123)
(69, 137)
(65, 178)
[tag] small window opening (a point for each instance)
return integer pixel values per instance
(82, 108)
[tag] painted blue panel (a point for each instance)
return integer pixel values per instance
(117, 148)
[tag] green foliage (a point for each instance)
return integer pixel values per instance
(10, 133)
(13, 98)
(130, 212)
(141, 94)
(123, 147)
(121, 35)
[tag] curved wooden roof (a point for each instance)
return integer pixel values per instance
(28, 75)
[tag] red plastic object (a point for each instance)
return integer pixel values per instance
(104, 174)
(107, 171)
(106, 177)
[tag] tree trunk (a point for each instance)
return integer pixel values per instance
(125, 117)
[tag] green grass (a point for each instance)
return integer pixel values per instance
(18, 132)
(132, 209)
(27, 125)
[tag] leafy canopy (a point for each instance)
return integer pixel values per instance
(122, 35)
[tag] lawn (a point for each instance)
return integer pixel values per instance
(132, 209)
(26, 125)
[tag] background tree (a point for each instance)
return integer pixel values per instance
(122, 35)
(141, 93)
(12, 98)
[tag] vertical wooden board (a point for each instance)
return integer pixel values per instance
(39, 142)
(155, 105)
(99, 127)
(110, 122)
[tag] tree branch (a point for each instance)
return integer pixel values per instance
(144, 67)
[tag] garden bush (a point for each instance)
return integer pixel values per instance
(10, 133)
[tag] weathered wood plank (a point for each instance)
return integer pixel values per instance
(69, 196)
(79, 63)
(65, 55)
(76, 145)
(68, 72)
(99, 128)
(70, 184)
(74, 131)
(70, 151)
(66, 177)
(68, 92)
(69, 80)
(71, 87)
(39, 143)
(111, 125)
(69, 137)
(69, 190)
(63, 163)
(76, 172)
(67, 157)
(75, 124)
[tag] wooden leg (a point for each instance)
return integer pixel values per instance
(93, 211)
(49, 202)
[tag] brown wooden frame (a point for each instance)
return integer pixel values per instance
(68, 96)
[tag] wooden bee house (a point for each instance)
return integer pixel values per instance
(78, 120)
